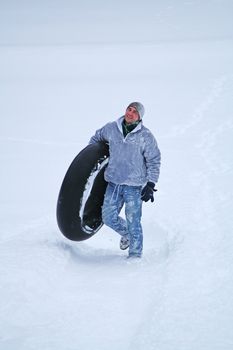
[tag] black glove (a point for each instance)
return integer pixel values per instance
(148, 192)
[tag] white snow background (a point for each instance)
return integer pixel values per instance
(66, 69)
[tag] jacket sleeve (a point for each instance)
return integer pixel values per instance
(100, 135)
(152, 159)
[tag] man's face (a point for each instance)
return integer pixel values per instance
(131, 115)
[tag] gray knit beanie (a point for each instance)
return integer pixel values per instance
(139, 107)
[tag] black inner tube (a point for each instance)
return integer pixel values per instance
(79, 218)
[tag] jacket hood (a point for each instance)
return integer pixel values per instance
(119, 122)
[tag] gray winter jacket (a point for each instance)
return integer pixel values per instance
(133, 160)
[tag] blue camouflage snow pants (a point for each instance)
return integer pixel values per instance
(115, 197)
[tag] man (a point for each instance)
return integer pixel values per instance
(132, 172)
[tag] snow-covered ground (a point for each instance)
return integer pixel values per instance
(64, 295)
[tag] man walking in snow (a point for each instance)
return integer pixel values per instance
(132, 172)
